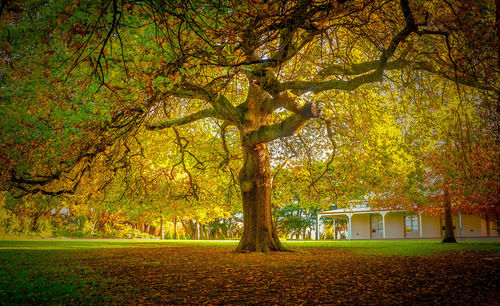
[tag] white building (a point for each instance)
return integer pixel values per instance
(364, 222)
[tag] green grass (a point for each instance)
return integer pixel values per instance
(405, 248)
(28, 276)
(107, 244)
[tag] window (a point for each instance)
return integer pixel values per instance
(411, 223)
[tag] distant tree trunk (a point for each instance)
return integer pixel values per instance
(94, 226)
(196, 233)
(229, 233)
(175, 228)
(259, 232)
(101, 222)
(202, 232)
(187, 229)
(34, 226)
(191, 229)
(449, 234)
(162, 229)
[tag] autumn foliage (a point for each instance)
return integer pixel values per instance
(192, 110)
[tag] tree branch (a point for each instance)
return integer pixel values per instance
(329, 134)
(205, 113)
(222, 108)
(357, 69)
(283, 129)
(226, 154)
(377, 72)
(193, 187)
(360, 68)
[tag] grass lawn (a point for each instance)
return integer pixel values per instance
(124, 272)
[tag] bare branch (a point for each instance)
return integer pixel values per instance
(193, 187)
(329, 133)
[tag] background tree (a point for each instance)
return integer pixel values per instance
(454, 148)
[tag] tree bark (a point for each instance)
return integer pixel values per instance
(259, 232)
(449, 234)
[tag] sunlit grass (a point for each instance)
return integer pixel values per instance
(378, 247)
(409, 248)
(98, 244)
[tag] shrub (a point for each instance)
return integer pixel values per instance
(10, 226)
(44, 229)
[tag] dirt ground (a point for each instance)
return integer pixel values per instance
(217, 275)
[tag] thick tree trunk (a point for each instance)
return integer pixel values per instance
(259, 232)
(449, 234)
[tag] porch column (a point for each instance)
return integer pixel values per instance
(420, 224)
(349, 229)
(383, 223)
(317, 227)
(460, 226)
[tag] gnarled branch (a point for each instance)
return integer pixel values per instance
(222, 107)
(283, 129)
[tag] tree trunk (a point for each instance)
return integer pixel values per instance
(196, 233)
(162, 228)
(34, 226)
(175, 228)
(191, 229)
(187, 229)
(449, 234)
(259, 232)
(201, 231)
(94, 226)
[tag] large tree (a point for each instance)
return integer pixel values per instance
(96, 74)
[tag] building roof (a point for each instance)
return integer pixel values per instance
(364, 209)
